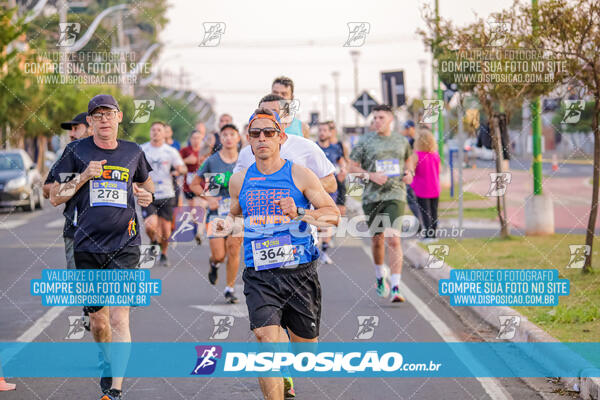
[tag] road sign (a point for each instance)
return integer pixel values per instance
(392, 86)
(354, 130)
(314, 119)
(364, 104)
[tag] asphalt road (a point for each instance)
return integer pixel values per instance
(30, 242)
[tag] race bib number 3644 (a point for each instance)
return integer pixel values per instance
(108, 193)
(272, 252)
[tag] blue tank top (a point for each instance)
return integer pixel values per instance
(271, 239)
(333, 152)
(295, 128)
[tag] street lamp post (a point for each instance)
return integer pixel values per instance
(539, 208)
(336, 93)
(324, 99)
(355, 54)
(422, 64)
(440, 124)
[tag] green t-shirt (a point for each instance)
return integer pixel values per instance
(385, 154)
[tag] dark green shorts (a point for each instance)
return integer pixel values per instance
(384, 214)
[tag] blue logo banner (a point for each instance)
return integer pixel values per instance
(324, 359)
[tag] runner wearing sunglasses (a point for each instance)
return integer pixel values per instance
(281, 284)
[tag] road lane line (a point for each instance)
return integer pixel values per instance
(42, 323)
(490, 385)
(8, 225)
(57, 223)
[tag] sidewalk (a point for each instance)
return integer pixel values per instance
(571, 196)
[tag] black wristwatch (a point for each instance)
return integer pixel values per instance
(153, 198)
(301, 213)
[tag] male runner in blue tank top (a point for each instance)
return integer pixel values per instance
(280, 280)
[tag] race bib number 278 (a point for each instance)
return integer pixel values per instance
(108, 193)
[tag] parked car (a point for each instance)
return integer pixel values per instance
(20, 181)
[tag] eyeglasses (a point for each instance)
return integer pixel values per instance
(269, 132)
(110, 115)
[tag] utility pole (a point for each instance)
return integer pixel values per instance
(440, 96)
(355, 54)
(536, 125)
(422, 64)
(539, 208)
(336, 94)
(62, 19)
(324, 99)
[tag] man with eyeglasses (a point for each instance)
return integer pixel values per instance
(166, 163)
(281, 284)
(284, 87)
(112, 174)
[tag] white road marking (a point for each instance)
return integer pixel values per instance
(33, 332)
(490, 385)
(57, 223)
(42, 323)
(235, 310)
(8, 225)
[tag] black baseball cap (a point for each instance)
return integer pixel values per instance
(102, 100)
(78, 119)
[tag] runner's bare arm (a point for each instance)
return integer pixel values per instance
(57, 193)
(46, 189)
(376, 177)
(329, 183)
(325, 213)
(305, 130)
(181, 169)
(343, 164)
(148, 185)
(235, 186)
(197, 185)
(409, 170)
(235, 211)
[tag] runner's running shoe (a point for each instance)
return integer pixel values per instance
(112, 394)
(383, 287)
(86, 319)
(288, 388)
(213, 273)
(163, 262)
(106, 379)
(325, 259)
(230, 297)
(396, 296)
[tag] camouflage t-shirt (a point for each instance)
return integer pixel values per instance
(385, 154)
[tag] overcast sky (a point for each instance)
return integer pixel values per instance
(303, 40)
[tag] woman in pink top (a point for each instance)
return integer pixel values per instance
(426, 182)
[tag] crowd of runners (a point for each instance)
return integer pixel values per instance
(266, 198)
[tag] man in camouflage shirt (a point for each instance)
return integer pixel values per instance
(387, 159)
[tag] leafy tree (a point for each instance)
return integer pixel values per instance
(571, 31)
(475, 57)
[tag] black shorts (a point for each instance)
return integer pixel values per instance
(287, 297)
(125, 258)
(340, 200)
(163, 208)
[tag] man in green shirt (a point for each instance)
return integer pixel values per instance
(387, 159)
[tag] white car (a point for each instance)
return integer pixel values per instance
(20, 181)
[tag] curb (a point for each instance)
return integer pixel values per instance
(589, 388)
